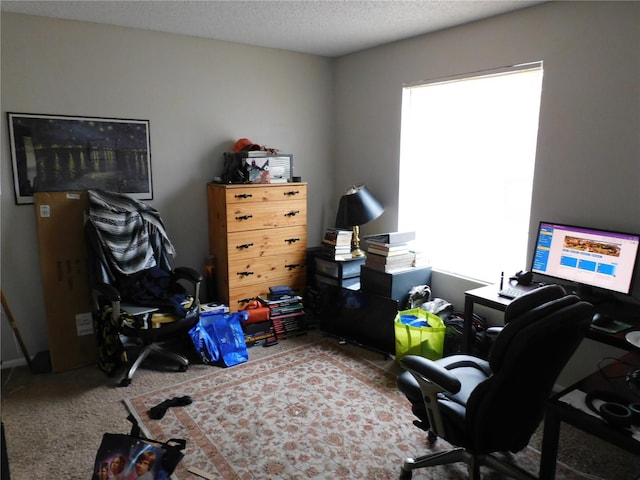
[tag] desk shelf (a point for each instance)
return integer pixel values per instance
(557, 412)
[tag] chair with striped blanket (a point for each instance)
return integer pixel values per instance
(139, 300)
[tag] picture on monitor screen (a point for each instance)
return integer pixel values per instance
(586, 256)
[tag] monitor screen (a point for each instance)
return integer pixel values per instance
(587, 256)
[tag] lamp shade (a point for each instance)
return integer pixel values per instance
(357, 207)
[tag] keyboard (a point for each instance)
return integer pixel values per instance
(512, 292)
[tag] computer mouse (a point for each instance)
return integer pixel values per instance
(602, 320)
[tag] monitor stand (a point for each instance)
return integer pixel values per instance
(588, 294)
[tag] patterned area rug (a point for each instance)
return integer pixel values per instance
(313, 412)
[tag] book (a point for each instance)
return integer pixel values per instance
(213, 308)
(391, 269)
(390, 264)
(280, 300)
(256, 153)
(386, 260)
(387, 253)
(420, 259)
(336, 252)
(336, 248)
(336, 236)
(390, 247)
(391, 237)
(285, 325)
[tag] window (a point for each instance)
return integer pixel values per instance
(466, 169)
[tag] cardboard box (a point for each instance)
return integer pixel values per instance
(65, 283)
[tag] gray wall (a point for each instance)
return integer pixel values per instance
(340, 118)
(588, 155)
(199, 96)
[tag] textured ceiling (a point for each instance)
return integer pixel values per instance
(322, 27)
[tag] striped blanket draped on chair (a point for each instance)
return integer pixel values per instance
(123, 224)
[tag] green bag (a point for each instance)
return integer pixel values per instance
(414, 337)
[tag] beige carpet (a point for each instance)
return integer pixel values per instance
(54, 422)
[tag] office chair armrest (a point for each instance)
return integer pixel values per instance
(189, 274)
(107, 292)
(494, 331)
(432, 373)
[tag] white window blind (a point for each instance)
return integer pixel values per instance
(467, 158)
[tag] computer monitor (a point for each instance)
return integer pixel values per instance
(588, 257)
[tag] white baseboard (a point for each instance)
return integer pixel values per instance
(18, 362)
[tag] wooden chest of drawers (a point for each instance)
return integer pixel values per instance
(258, 234)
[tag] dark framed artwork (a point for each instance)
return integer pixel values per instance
(55, 153)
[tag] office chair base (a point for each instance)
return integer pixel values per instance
(154, 349)
(473, 461)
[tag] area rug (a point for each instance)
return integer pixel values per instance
(313, 412)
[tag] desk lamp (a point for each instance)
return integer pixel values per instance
(357, 207)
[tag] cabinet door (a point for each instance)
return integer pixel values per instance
(269, 242)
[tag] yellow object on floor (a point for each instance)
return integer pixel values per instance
(158, 319)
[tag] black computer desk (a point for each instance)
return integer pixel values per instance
(558, 411)
(613, 378)
(488, 296)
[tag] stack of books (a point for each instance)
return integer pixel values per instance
(287, 314)
(420, 259)
(390, 252)
(258, 333)
(336, 244)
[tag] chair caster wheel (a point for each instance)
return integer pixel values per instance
(183, 368)
(405, 474)
(125, 382)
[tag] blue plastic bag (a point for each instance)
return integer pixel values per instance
(219, 339)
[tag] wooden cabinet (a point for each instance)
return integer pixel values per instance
(258, 234)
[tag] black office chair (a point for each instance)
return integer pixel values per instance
(482, 407)
(136, 294)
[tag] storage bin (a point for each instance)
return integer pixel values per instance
(414, 339)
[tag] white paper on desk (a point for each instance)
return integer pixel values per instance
(577, 399)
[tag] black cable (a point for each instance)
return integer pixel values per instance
(632, 377)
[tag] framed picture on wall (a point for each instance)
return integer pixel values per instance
(55, 153)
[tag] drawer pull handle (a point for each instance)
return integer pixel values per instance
(244, 274)
(245, 300)
(291, 193)
(291, 240)
(291, 266)
(244, 217)
(292, 213)
(243, 195)
(243, 246)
